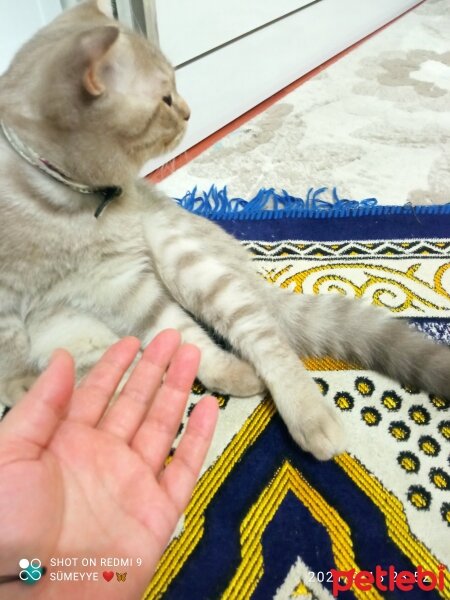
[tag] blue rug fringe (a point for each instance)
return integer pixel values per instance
(217, 202)
(269, 204)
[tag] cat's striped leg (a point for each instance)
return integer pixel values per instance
(201, 276)
(219, 371)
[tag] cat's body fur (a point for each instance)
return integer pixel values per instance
(70, 280)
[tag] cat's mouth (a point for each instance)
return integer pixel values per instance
(173, 142)
(158, 147)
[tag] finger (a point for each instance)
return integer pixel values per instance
(30, 425)
(126, 415)
(180, 477)
(94, 393)
(156, 434)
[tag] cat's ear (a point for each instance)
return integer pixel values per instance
(105, 7)
(96, 45)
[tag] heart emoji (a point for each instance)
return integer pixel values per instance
(108, 575)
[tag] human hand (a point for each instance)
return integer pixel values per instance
(78, 480)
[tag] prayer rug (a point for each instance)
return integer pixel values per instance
(267, 520)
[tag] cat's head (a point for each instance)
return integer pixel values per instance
(86, 76)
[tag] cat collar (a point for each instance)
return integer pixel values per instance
(28, 154)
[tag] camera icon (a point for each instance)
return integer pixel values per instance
(31, 570)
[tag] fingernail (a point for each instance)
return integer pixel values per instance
(54, 354)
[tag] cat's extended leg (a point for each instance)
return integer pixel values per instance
(194, 264)
(219, 371)
(358, 332)
(84, 336)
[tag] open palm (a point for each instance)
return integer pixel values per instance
(80, 481)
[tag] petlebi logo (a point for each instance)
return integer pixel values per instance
(31, 570)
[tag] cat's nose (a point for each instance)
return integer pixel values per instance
(184, 110)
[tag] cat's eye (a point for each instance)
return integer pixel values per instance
(168, 100)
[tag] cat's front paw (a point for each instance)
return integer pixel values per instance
(319, 431)
(236, 378)
(12, 389)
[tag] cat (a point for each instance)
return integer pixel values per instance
(89, 253)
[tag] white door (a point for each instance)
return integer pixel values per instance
(189, 28)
